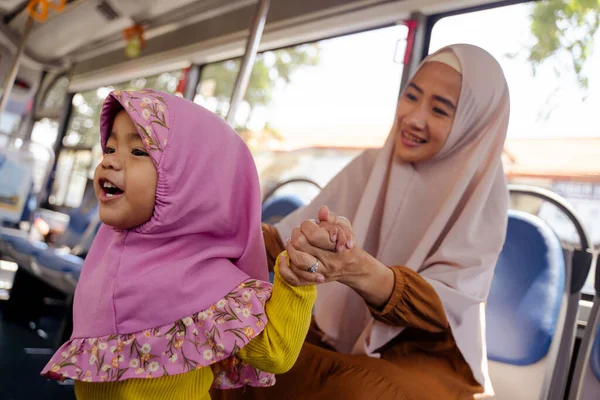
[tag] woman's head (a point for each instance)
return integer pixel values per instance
(125, 181)
(427, 108)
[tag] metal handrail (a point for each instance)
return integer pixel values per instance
(559, 202)
(293, 180)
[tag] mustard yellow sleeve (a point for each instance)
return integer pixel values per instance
(289, 312)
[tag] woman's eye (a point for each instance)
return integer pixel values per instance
(109, 150)
(439, 111)
(411, 97)
(139, 153)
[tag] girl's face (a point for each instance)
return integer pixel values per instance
(125, 181)
(426, 112)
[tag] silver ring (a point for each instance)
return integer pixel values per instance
(313, 268)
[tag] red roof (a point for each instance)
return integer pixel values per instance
(557, 159)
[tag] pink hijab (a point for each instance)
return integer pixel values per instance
(204, 238)
(445, 218)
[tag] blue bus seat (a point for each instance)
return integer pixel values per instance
(79, 220)
(56, 267)
(595, 357)
(278, 207)
(523, 310)
(590, 385)
(20, 248)
(24, 245)
(54, 260)
(16, 245)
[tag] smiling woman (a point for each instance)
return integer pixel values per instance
(426, 110)
(399, 314)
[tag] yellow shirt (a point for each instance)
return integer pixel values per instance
(274, 350)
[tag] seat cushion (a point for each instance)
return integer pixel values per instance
(64, 262)
(25, 246)
(526, 293)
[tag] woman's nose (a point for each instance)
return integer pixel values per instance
(417, 118)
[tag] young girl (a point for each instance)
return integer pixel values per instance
(175, 286)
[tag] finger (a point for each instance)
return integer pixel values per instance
(343, 221)
(301, 243)
(298, 257)
(302, 253)
(299, 240)
(306, 276)
(332, 230)
(319, 236)
(301, 272)
(298, 274)
(287, 274)
(341, 235)
(323, 214)
(345, 226)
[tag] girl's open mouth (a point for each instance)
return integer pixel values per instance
(109, 189)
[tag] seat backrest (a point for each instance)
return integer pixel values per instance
(87, 238)
(278, 207)
(524, 305)
(16, 177)
(590, 383)
(595, 357)
(80, 219)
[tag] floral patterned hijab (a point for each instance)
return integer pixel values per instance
(190, 275)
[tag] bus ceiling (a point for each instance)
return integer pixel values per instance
(88, 34)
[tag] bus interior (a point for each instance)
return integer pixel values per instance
(308, 85)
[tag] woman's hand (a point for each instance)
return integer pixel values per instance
(330, 246)
(336, 233)
(339, 228)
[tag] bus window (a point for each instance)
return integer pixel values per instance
(45, 128)
(311, 108)
(44, 133)
(54, 99)
(81, 152)
(552, 141)
(9, 123)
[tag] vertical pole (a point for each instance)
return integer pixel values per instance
(241, 83)
(10, 78)
(415, 46)
(191, 86)
(58, 145)
(585, 349)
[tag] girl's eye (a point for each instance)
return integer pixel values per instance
(109, 150)
(139, 153)
(411, 97)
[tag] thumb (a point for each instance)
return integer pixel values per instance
(323, 214)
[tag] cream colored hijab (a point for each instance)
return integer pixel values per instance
(444, 218)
